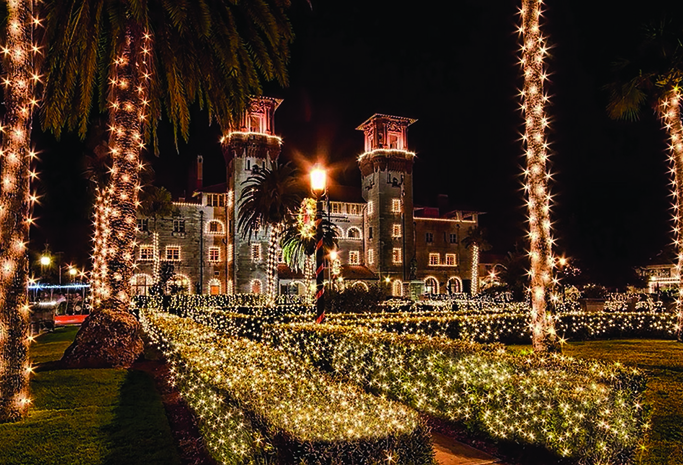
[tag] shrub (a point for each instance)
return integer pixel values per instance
(258, 404)
(588, 411)
(355, 299)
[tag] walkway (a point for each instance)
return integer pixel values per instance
(448, 451)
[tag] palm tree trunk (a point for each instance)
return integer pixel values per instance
(15, 207)
(475, 269)
(533, 51)
(127, 100)
(273, 241)
(100, 247)
(669, 108)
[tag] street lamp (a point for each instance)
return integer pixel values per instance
(318, 188)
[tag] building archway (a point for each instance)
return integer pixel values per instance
(454, 285)
(431, 285)
(214, 287)
(353, 233)
(397, 288)
(361, 284)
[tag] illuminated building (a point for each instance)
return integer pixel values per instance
(382, 236)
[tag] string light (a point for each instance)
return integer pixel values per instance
(540, 252)
(669, 110)
(21, 76)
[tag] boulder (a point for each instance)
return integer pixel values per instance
(107, 339)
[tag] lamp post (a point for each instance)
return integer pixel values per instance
(318, 187)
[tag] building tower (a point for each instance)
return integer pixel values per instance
(387, 174)
(251, 146)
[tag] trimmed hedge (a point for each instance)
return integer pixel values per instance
(588, 411)
(258, 404)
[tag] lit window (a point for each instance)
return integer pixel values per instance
(336, 208)
(396, 230)
(141, 283)
(178, 226)
(434, 259)
(429, 237)
(396, 256)
(397, 288)
(354, 257)
(173, 253)
(215, 200)
(431, 286)
(214, 227)
(450, 259)
(256, 253)
(394, 140)
(371, 207)
(214, 287)
(146, 252)
(256, 123)
(354, 209)
(353, 233)
(143, 225)
(396, 205)
(256, 286)
(214, 254)
(454, 238)
(371, 256)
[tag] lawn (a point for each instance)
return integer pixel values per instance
(95, 416)
(663, 362)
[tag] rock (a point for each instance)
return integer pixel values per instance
(107, 339)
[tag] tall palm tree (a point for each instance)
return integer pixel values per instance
(20, 76)
(270, 198)
(534, 50)
(476, 240)
(653, 75)
(145, 55)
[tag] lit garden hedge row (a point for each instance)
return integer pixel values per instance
(514, 328)
(588, 411)
(261, 405)
(237, 303)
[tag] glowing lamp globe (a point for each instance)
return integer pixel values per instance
(318, 180)
(45, 260)
(73, 271)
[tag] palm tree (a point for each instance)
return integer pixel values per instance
(145, 55)
(269, 199)
(653, 75)
(538, 198)
(476, 240)
(155, 203)
(20, 76)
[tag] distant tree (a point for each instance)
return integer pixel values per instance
(270, 198)
(515, 275)
(155, 203)
(653, 75)
(476, 240)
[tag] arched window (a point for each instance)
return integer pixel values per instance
(256, 286)
(397, 288)
(214, 227)
(454, 285)
(141, 284)
(178, 284)
(431, 285)
(214, 287)
(361, 284)
(353, 233)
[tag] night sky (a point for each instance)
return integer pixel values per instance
(457, 73)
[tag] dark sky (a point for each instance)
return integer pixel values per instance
(457, 73)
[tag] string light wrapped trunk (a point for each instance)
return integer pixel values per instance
(128, 101)
(536, 146)
(475, 269)
(669, 110)
(15, 207)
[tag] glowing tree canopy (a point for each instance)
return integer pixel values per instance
(538, 196)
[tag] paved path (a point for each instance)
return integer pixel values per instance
(448, 451)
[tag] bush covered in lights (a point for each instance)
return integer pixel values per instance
(588, 411)
(261, 405)
(514, 328)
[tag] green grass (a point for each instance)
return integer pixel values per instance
(663, 362)
(96, 416)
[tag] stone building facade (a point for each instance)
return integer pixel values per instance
(383, 237)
